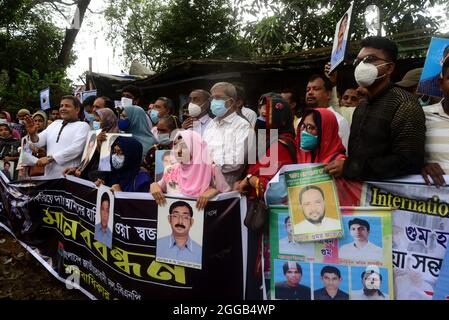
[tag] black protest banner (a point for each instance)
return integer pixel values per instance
(57, 219)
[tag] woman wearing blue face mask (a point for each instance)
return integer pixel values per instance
(166, 128)
(126, 174)
(318, 138)
(134, 120)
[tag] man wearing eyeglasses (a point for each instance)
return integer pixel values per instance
(388, 129)
(178, 246)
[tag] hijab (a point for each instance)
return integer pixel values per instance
(109, 120)
(194, 178)
(43, 115)
(139, 127)
(132, 150)
(15, 133)
(329, 146)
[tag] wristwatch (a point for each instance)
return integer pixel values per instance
(248, 177)
(50, 159)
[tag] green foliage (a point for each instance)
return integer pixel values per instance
(311, 23)
(156, 33)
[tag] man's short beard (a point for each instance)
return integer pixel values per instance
(317, 221)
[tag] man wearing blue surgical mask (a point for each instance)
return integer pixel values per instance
(388, 129)
(228, 136)
(161, 107)
(88, 107)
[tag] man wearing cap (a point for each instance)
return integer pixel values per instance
(371, 281)
(291, 289)
(410, 83)
(20, 127)
(360, 249)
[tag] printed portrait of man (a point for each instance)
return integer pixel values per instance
(291, 289)
(371, 283)
(102, 231)
(312, 202)
(339, 50)
(331, 279)
(431, 86)
(89, 151)
(179, 245)
(361, 248)
(288, 246)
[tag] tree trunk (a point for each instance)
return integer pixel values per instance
(70, 34)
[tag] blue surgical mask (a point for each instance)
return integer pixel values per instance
(3, 121)
(117, 161)
(163, 138)
(308, 141)
(96, 125)
(123, 124)
(90, 117)
(218, 107)
(154, 116)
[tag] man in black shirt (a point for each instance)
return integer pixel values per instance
(331, 278)
(388, 129)
(291, 289)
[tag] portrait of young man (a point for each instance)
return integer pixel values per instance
(103, 232)
(331, 279)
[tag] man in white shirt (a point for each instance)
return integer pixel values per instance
(360, 249)
(318, 95)
(199, 107)
(311, 200)
(437, 133)
(228, 136)
(64, 138)
(371, 281)
(288, 246)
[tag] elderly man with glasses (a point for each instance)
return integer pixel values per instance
(388, 129)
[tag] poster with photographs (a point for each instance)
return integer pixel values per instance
(164, 159)
(341, 39)
(357, 266)
(45, 99)
(437, 53)
(104, 217)
(7, 168)
(105, 150)
(313, 203)
(180, 229)
(89, 148)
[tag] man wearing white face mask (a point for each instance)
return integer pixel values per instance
(388, 129)
(228, 136)
(199, 107)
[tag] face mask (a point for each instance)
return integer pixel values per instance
(308, 141)
(123, 124)
(96, 125)
(194, 110)
(424, 103)
(22, 122)
(218, 107)
(163, 138)
(90, 117)
(366, 74)
(262, 118)
(126, 102)
(3, 121)
(118, 161)
(154, 116)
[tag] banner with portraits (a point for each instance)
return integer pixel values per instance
(340, 269)
(58, 220)
(419, 225)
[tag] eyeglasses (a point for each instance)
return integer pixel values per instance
(181, 217)
(308, 127)
(368, 59)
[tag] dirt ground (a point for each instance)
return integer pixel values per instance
(22, 277)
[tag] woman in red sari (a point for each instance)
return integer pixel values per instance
(280, 149)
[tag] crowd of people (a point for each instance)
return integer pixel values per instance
(375, 131)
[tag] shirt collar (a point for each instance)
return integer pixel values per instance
(187, 245)
(204, 119)
(229, 119)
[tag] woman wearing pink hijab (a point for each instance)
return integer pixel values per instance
(193, 174)
(5, 117)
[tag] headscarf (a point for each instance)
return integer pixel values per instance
(43, 115)
(194, 178)
(109, 120)
(15, 133)
(279, 117)
(329, 146)
(138, 126)
(132, 150)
